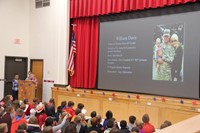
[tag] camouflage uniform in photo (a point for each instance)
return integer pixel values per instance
(164, 72)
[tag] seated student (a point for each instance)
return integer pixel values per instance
(115, 123)
(17, 120)
(147, 127)
(50, 122)
(123, 125)
(131, 122)
(92, 114)
(109, 126)
(16, 104)
(99, 125)
(40, 114)
(139, 126)
(64, 104)
(81, 107)
(3, 128)
(70, 109)
(50, 108)
(8, 116)
(71, 128)
(109, 115)
(33, 106)
(22, 127)
(28, 107)
(33, 126)
(94, 126)
(58, 113)
(7, 100)
(77, 111)
(79, 127)
(83, 121)
(114, 130)
(62, 116)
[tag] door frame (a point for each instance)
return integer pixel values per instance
(31, 62)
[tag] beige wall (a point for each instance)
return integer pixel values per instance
(14, 24)
(49, 28)
(43, 33)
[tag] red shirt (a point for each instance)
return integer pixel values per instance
(16, 123)
(148, 128)
(27, 111)
(41, 119)
(71, 111)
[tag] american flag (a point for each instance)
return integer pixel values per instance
(72, 55)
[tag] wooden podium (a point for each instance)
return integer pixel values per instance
(26, 90)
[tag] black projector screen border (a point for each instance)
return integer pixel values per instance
(148, 14)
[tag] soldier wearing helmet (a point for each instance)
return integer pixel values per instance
(164, 72)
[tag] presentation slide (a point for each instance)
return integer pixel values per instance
(152, 55)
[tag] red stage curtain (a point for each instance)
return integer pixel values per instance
(86, 33)
(85, 8)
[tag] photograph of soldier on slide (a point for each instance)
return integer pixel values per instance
(168, 51)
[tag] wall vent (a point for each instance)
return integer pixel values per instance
(42, 3)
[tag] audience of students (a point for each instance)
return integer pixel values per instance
(43, 118)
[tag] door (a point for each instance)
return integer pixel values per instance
(14, 65)
(37, 70)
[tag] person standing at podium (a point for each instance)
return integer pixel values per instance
(31, 77)
(15, 87)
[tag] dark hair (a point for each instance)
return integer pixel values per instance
(94, 121)
(9, 109)
(48, 121)
(19, 112)
(59, 109)
(77, 119)
(22, 126)
(20, 131)
(114, 130)
(109, 114)
(168, 122)
(16, 74)
(77, 111)
(26, 101)
(145, 118)
(36, 100)
(52, 101)
(71, 128)
(135, 129)
(7, 98)
(110, 123)
(123, 123)
(3, 127)
(80, 106)
(93, 114)
(33, 120)
(16, 104)
(23, 107)
(70, 103)
(132, 119)
(164, 125)
(63, 104)
(47, 129)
